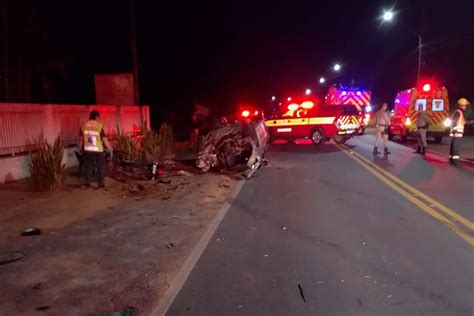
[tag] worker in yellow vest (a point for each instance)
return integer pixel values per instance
(457, 131)
(92, 142)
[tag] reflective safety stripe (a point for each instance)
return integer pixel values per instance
(455, 157)
(322, 120)
(91, 148)
(88, 132)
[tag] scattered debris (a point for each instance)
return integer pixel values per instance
(42, 308)
(223, 185)
(320, 282)
(364, 243)
(192, 213)
(37, 286)
(170, 245)
(367, 276)
(342, 281)
(165, 198)
(283, 227)
(169, 163)
(360, 302)
(302, 293)
(10, 257)
(32, 231)
(389, 296)
(184, 173)
(164, 181)
(124, 196)
(131, 311)
(240, 306)
(403, 217)
(136, 188)
(172, 188)
(211, 196)
(266, 255)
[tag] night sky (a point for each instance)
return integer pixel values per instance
(221, 53)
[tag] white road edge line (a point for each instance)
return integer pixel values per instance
(184, 272)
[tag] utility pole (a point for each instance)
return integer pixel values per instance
(419, 57)
(133, 44)
(5, 54)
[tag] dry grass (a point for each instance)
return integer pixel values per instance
(46, 167)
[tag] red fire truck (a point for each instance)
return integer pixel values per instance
(357, 97)
(307, 120)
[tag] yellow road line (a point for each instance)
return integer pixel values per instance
(450, 224)
(427, 198)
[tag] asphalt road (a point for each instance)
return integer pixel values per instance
(337, 231)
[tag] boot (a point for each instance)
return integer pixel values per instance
(418, 150)
(386, 152)
(376, 151)
(423, 151)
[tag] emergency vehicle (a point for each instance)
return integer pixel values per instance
(307, 120)
(433, 99)
(355, 96)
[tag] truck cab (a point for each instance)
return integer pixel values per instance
(319, 123)
(432, 99)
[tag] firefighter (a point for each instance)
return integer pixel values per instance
(92, 142)
(422, 122)
(457, 130)
(381, 128)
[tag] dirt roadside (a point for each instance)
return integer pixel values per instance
(102, 251)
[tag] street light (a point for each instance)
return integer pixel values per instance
(337, 67)
(387, 16)
(322, 80)
(308, 91)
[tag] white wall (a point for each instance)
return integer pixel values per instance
(16, 167)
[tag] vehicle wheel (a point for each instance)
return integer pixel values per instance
(438, 139)
(318, 136)
(361, 131)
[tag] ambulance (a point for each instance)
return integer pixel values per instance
(317, 122)
(358, 97)
(430, 97)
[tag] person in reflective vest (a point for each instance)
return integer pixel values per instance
(457, 131)
(92, 142)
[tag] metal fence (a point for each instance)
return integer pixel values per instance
(23, 125)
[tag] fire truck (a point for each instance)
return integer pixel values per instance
(307, 120)
(430, 97)
(360, 98)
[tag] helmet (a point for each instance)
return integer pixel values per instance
(463, 101)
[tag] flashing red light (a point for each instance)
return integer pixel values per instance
(256, 113)
(245, 113)
(307, 105)
(293, 107)
(426, 87)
